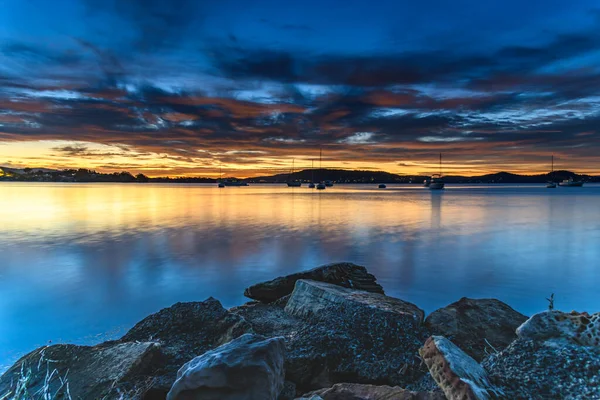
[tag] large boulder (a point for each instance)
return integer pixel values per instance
(353, 336)
(308, 348)
(533, 369)
(185, 331)
(574, 327)
(315, 300)
(110, 370)
(457, 374)
(477, 326)
(342, 274)
(247, 368)
(354, 391)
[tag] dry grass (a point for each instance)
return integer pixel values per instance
(22, 388)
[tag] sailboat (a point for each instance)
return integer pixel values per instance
(551, 184)
(290, 182)
(320, 185)
(437, 181)
(221, 184)
(570, 183)
(311, 185)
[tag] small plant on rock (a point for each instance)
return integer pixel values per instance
(550, 302)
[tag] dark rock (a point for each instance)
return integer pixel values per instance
(288, 392)
(110, 370)
(334, 334)
(354, 391)
(366, 337)
(424, 384)
(468, 323)
(185, 331)
(249, 367)
(342, 274)
(457, 374)
(529, 369)
(307, 345)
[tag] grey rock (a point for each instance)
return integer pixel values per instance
(342, 274)
(532, 369)
(342, 335)
(312, 300)
(307, 344)
(109, 371)
(475, 324)
(458, 375)
(354, 391)
(574, 327)
(352, 336)
(185, 331)
(247, 368)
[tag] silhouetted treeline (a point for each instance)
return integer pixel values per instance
(308, 175)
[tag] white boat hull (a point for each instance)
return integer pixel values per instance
(571, 184)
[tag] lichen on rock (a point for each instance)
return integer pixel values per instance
(456, 373)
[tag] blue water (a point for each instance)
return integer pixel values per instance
(83, 263)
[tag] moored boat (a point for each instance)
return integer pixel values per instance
(232, 182)
(321, 185)
(571, 183)
(293, 182)
(437, 181)
(551, 184)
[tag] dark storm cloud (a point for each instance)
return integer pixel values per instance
(40, 55)
(151, 76)
(75, 150)
(377, 70)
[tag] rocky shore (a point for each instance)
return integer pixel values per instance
(325, 334)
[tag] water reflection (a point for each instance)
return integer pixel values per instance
(77, 261)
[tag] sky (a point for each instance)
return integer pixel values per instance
(194, 87)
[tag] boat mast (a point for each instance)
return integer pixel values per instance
(440, 165)
(312, 171)
(289, 179)
(320, 161)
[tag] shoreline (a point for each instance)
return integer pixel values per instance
(308, 315)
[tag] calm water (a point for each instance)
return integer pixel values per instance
(83, 263)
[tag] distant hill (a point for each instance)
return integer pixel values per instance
(336, 175)
(507, 177)
(26, 170)
(351, 176)
(307, 175)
